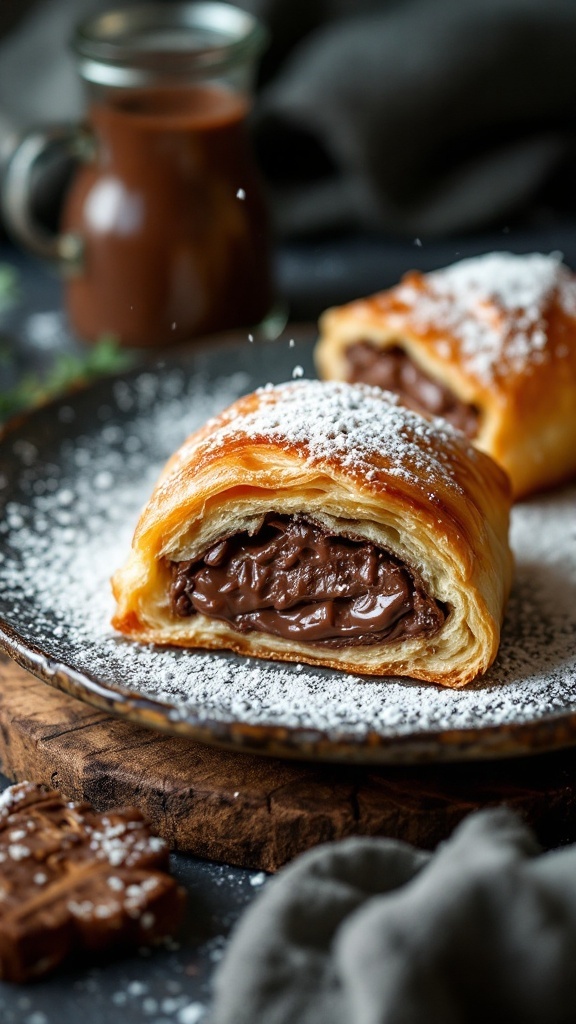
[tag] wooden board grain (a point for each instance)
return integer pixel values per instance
(253, 811)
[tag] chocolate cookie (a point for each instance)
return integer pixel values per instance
(74, 880)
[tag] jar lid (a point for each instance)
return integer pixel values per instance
(131, 46)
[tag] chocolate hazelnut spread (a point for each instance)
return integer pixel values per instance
(296, 580)
(393, 370)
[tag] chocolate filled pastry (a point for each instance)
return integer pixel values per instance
(325, 523)
(488, 343)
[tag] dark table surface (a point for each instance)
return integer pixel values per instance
(170, 985)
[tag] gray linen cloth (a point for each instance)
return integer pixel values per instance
(373, 931)
(423, 117)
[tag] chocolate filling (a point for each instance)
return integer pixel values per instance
(393, 370)
(296, 580)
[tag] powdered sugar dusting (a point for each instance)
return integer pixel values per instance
(67, 522)
(495, 306)
(354, 423)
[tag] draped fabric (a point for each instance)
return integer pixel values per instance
(372, 931)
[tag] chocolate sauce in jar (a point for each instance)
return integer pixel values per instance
(171, 217)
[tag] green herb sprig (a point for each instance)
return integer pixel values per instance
(9, 287)
(68, 372)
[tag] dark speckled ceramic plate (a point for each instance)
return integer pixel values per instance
(73, 478)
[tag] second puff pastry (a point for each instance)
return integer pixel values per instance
(325, 523)
(489, 343)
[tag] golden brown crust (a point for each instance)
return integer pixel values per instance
(500, 332)
(353, 460)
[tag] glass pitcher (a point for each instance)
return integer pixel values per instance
(164, 229)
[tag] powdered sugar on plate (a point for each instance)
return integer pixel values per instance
(495, 306)
(72, 495)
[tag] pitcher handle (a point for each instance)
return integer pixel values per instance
(16, 193)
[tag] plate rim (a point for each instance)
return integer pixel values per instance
(543, 735)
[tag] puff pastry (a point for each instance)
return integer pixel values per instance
(489, 343)
(325, 523)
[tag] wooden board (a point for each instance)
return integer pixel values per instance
(253, 811)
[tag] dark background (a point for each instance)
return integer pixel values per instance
(392, 133)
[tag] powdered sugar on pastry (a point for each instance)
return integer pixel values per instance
(356, 423)
(494, 305)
